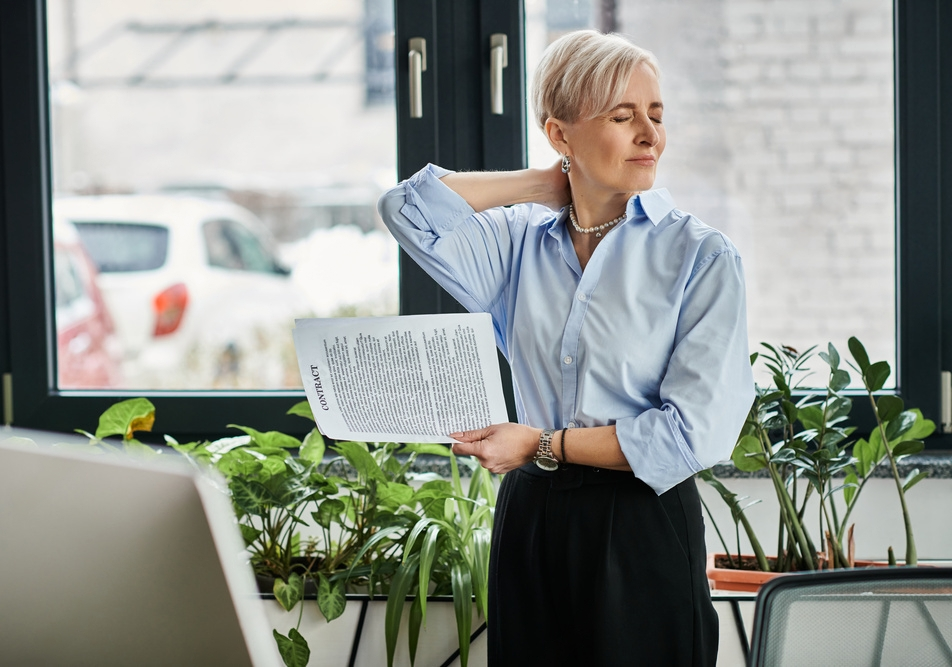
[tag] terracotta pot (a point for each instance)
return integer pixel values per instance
(748, 580)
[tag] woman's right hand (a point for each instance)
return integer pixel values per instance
(557, 186)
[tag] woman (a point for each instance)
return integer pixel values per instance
(624, 322)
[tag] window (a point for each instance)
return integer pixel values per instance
(118, 247)
(458, 131)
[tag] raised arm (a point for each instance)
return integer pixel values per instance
(484, 190)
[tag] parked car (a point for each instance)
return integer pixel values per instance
(88, 353)
(195, 289)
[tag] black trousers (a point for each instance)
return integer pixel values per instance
(592, 568)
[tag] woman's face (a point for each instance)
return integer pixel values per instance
(618, 152)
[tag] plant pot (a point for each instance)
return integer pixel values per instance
(359, 634)
(748, 579)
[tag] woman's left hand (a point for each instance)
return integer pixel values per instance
(500, 447)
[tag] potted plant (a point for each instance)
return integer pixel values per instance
(806, 450)
(359, 522)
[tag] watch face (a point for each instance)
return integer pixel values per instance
(547, 463)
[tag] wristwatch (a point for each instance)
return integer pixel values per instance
(544, 458)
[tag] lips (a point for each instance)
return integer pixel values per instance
(643, 160)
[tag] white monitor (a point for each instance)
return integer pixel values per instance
(111, 560)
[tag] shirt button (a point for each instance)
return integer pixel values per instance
(567, 360)
(571, 425)
(582, 297)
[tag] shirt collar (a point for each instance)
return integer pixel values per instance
(652, 204)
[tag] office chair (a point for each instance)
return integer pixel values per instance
(874, 617)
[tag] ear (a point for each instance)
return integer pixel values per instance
(555, 132)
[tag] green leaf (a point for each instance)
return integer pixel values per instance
(833, 356)
(414, 625)
(269, 438)
(289, 593)
(889, 407)
(400, 586)
(839, 380)
(789, 411)
(249, 533)
(462, 585)
(748, 455)
(126, 417)
(427, 557)
(358, 456)
(865, 453)
(273, 466)
(899, 426)
(913, 478)
(394, 494)
(331, 599)
(811, 416)
(302, 409)
(876, 375)
(923, 427)
(293, 648)
(328, 512)
(850, 487)
(250, 496)
(432, 448)
(907, 447)
(859, 354)
(313, 447)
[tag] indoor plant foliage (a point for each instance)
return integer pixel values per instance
(806, 448)
(355, 521)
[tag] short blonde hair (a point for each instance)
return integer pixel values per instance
(583, 74)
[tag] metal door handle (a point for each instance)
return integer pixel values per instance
(498, 60)
(417, 67)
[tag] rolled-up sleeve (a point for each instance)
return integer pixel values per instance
(468, 253)
(707, 388)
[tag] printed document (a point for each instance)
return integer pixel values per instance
(414, 378)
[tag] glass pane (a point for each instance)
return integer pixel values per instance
(780, 134)
(216, 166)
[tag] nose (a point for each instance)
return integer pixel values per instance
(646, 133)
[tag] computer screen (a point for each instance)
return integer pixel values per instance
(114, 560)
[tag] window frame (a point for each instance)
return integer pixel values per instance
(457, 78)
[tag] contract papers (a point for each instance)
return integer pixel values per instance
(414, 378)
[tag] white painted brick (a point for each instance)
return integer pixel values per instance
(865, 23)
(836, 157)
(866, 46)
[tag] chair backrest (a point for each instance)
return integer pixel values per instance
(874, 617)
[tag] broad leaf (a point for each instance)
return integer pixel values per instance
(302, 409)
(907, 447)
(859, 354)
(900, 426)
(249, 533)
(251, 497)
(850, 487)
(923, 428)
(358, 456)
(876, 375)
(865, 453)
(394, 494)
(269, 438)
(748, 455)
(432, 448)
(126, 417)
(328, 511)
(313, 447)
(889, 407)
(839, 380)
(811, 416)
(293, 648)
(289, 593)
(913, 478)
(414, 625)
(330, 597)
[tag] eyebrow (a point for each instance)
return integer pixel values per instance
(629, 105)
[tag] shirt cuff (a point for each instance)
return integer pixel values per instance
(425, 192)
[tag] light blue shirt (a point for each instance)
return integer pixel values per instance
(650, 337)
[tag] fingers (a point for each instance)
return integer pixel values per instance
(471, 436)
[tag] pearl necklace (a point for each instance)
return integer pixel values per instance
(592, 230)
